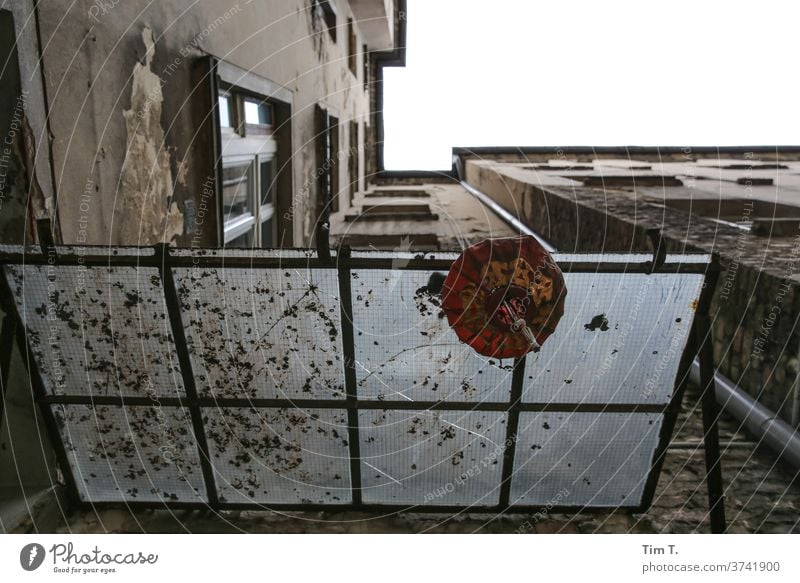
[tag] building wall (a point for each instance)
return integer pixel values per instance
(121, 86)
(756, 307)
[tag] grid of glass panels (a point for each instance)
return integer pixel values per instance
(259, 339)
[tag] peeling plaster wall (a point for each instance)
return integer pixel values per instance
(124, 129)
(146, 182)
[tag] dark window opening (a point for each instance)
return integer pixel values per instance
(328, 16)
(365, 67)
(352, 47)
(354, 168)
(327, 161)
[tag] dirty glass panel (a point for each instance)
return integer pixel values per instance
(583, 459)
(405, 348)
(280, 456)
(98, 330)
(263, 333)
(620, 340)
(131, 454)
(438, 458)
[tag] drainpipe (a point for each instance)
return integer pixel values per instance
(510, 219)
(762, 423)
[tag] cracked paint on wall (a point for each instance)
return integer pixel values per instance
(149, 215)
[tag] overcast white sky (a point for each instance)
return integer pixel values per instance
(612, 72)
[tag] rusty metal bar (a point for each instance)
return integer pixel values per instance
(708, 400)
(78, 256)
(512, 429)
(179, 336)
(351, 388)
(355, 403)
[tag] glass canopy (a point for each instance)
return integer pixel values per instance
(276, 379)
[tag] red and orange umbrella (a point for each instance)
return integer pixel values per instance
(504, 297)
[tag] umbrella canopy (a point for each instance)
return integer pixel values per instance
(504, 297)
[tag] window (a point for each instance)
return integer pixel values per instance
(365, 65)
(352, 50)
(225, 119)
(266, 193)
(325, 8)
(256, 113)
(238, 188)
(353, 161)
(257, 117)
(253, 158)
(328, 161)
(249, 177)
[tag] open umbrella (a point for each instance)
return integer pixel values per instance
(504, 297)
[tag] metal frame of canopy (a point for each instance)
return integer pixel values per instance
(165, 260)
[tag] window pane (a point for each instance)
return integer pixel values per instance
(597, 459)
(237, 191)
(617, 362)
(107, 442)
(279, 456)
(267, 234)
(406, 351)
(143, 345)
(258, 350)
(267, 181)
(225, 111)
(408, 455)
(257, 113)
(243, 241)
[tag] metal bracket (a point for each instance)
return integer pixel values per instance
(44, 231)
(659, 251)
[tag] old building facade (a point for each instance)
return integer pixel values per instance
(193, 123)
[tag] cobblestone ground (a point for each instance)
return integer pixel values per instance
(762, 496)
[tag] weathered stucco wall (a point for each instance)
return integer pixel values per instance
(124, 128)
